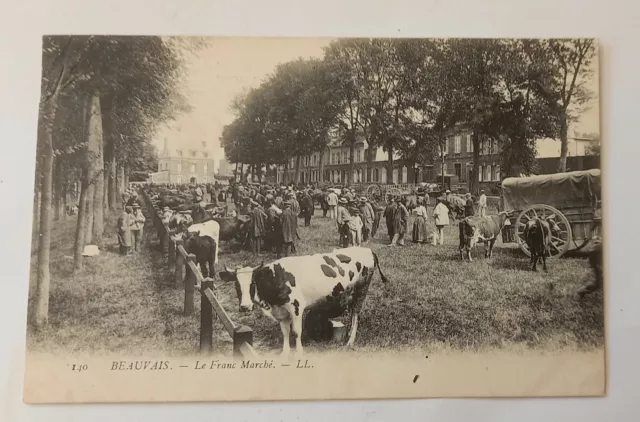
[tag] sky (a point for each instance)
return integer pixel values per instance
(229, 66)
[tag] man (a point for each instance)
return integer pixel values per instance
(400, 219)
(306, 207)
(289, 228)
(258, 231)
(137, 227)
(482, 204)
(367, 215)
(468, 206)
(279, 200)
(124, 230)
(343, 220)
(332, 201)
(295, 205)
(348, 196)
(378, 211)
(388, 216)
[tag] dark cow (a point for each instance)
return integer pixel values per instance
(476, 229)
(233, 227)
(537, 235)
(205, 250)
(329, 283)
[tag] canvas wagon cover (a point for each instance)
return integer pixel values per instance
(560, 190)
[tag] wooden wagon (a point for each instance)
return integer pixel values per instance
(572, 199)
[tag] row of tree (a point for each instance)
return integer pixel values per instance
(408, 95)
(102, 98)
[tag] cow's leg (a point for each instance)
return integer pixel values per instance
(285, 327)
(469, 254)
(353, 329)
(491, 243)
(296, 327)
(534, 259)
(544, 262)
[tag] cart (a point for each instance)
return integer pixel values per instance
(571, 199)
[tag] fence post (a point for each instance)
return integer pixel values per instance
(206, 317)
(241, 334)
(179, 264)
(189, 287)
(172, 254)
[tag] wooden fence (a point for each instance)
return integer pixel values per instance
(186, 273)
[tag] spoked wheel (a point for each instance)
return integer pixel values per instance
(373, 192)
(560, 239)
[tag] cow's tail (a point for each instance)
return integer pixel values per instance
(376, 263)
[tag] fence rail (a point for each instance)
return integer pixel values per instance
(186, 273)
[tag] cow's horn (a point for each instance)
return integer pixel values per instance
(227, 269)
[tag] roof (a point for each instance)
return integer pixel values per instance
(560, 190)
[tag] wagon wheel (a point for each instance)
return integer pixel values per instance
(560, 241)
(373, 191)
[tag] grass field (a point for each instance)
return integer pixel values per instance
(433, 301)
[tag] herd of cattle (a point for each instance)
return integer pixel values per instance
(324, 285)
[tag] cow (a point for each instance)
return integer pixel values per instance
(233, 227)
(477, 229)
(537, 235)
(329, 283)
(208, 228)
(205, 250)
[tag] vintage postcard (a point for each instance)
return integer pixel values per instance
(226, 219)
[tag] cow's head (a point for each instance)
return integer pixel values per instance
(503, 216)
(554, 228)
(245, 287)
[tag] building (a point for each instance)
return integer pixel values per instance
(225, 169)
(458, 160)
(185, 165)
(549, 165)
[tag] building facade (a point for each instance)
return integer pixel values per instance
(185, 165)
(458, 161)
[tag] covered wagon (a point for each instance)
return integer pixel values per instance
(571, 199)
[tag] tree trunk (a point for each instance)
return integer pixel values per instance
(442, 143)
(474, 185)
(352, 155)
(321, 169)
(81, 225)
(120, 180)
(564, 144)
(41, 315)
(65, 194)
(285, 175)
(97, 148)
(297, 175)
(370, 156)
(390, 164)
(112, 185)
(88, 236)
(57, 188)
(125, 169)
(235, 172)
(241, 172)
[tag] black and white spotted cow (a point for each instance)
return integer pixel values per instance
(329, 283)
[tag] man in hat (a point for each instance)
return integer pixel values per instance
(133, 199)
(125, 221)
(166, 214)
(482, 204)
(137, 227)
(257, 230)
(400, 219)
(295, 205)
(388, 216)
(367, 215)
(306, 207)
(289, 228)
(468, 206)
(332, 202)
(355, 228)
(343, 220)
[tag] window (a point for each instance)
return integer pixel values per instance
(206, 167)
(193, 168)
(345, 157)
(205, 154)
(376, 175)
(457, 144)
(179, 165)
(469, 143)
(446, 146)
(179, 153)
(458, 170)
(404, 174)
(479, 173)
(488, 173)
(495, 146)
(193, 153)
(179, 179)
(497, 173)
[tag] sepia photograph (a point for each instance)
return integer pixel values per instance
(360, 217)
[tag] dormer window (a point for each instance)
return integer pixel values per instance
(179, 153)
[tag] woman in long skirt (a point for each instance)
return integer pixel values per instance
(420, 223)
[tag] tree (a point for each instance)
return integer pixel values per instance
(563, 69)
